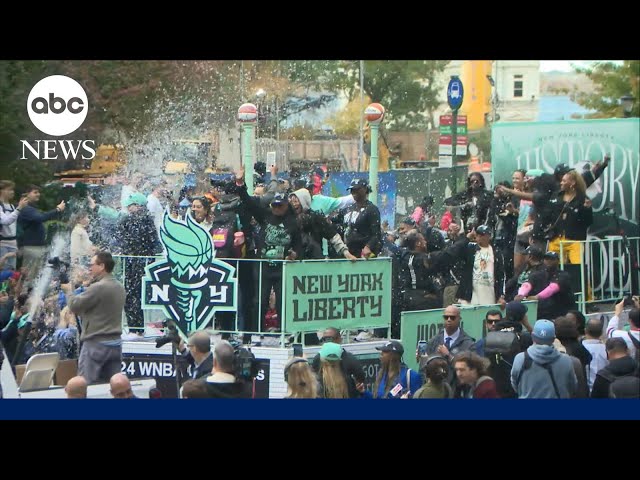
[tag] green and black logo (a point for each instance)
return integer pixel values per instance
(190, 285)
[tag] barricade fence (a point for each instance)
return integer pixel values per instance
(310, 295)
(609, 270)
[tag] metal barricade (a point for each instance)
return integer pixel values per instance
(610, 270)
(304, 306)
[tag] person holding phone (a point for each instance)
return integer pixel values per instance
(33, 239)
(8, 222)
(631, 337)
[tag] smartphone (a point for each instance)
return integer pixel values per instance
(628, 301)
(297, 350)
(422, 347)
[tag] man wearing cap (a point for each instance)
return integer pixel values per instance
(363, 234)
(541, 371)
(136, 237)
(279, 238)
(483, 275)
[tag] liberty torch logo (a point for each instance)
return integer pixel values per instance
(189, 285)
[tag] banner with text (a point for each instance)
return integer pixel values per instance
(544, 145)
(337, 293)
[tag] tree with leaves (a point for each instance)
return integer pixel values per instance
(612, 81)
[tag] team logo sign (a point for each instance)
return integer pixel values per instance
(189, 285)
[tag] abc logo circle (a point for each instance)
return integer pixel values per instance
(57, 105)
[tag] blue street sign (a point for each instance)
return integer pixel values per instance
(455, 93)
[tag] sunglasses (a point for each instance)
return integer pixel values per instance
(491, 322)
(453, 317)
(328, 339)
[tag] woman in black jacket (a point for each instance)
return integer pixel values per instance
(572, 214)
(475, 202)
(420, 292)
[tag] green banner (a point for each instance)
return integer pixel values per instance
(544, 145)
(425, 324)
(336, 293)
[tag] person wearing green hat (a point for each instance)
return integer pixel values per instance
(136, 236)
(332, 377)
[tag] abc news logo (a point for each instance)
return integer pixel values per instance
(58, 105)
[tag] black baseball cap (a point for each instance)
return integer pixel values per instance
(561, 169)
(534, 251)
(553, 255)
(279, 199)
(358, 183)
(392, 346)
(516, 311)
(483, 230)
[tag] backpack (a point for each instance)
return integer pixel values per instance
(626, 386)
(500, 348)
(619, 382)
(636, 343)
(528, 361)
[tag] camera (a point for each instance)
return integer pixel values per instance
(171, 335)
(62, 268)
(245, 365)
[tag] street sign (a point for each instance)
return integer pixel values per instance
(455, 93)
(445, 140)
(445, 161)
(445, 149)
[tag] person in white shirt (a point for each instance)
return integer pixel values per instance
(82, 249)
(483, 269)
(8, 216)
(154, 206)
(615, 330)
(593, 342)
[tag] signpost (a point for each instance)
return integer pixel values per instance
(455, 95)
